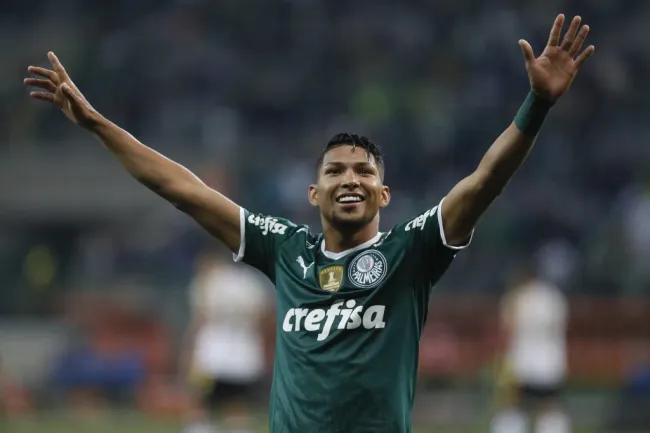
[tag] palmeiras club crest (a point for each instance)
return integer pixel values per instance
(368, 269)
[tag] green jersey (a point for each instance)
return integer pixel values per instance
(348, 324)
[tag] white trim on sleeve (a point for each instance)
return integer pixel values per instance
(442, 232)
(242, 234)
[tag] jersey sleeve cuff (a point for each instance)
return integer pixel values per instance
(242, 234)
(442, 232)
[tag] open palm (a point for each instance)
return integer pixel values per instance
(552, 73)
(62, 92)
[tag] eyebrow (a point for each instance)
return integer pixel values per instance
(356, 164)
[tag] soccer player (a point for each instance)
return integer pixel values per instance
(534, 321)
(351, 301)
(225, 351)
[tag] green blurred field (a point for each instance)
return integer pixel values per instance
(131, 423)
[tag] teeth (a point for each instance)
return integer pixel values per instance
(349, 199)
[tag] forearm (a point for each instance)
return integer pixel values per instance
(157, 172)
(471, 197)
(512, 147)
(503, 159)
(213, 211)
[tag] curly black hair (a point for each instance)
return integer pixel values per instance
(354, 140)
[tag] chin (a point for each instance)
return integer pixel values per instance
(348, 221)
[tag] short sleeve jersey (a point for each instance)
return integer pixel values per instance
(348, 324)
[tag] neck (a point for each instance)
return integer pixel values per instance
(341, 239)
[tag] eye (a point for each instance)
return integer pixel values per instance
(332, 171)
(366, 171)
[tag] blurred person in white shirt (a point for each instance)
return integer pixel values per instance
(224, 358)
(534, 320)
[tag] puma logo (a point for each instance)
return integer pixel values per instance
(305, 268)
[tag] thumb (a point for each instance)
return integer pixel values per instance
(527, 50)
(80, 112)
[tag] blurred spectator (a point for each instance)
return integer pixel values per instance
(439, 354)
(636, 225)
(534, 318)
(14, 398)
(632, 411)
(225, 357)
(120, 350)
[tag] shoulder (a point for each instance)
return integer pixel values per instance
(426, 217)
(300, 239)
(284, 229)
(412, 228)
(271, 226)
(267, 224)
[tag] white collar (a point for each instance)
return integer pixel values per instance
(336, 256)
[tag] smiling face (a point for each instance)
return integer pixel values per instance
(350, 189)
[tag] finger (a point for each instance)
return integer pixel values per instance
(38, 82)
(43, 96)
(44, 73)
(584, 56)
(67, 90)
(58, 67)
(527, 50)
(72, 96)
(570, 35)
(580, 39)
(556, 31)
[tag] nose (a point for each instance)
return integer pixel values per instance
(350, 181)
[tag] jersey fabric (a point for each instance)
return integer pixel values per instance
(348, 324)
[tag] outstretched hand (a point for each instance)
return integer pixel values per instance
(62, 92)
(551, 73)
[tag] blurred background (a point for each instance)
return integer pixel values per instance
(106, 289)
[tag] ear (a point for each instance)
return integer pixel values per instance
(312, 195)
(384, 198)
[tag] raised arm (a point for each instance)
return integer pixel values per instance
(550, 76)
(170, 180)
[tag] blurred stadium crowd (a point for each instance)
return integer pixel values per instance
(254, 89)
(247, 92)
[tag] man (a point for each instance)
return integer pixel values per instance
(351, 301)
(225, 351)
(534, 320)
